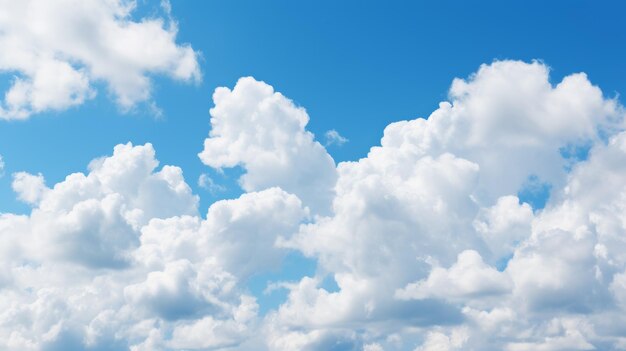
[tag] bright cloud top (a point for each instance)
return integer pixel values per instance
(59, 49)
(425, 240)
(264, 132)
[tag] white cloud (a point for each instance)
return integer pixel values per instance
(437, 341)
(504, 225)
(264, 132)
(29, 188)
(59, 49)
(206, 182)
(510, 120)
(240, 233)
(555, 270)
(209, 333)
(388, 213)
(445, 187)
(563, 334)
(468, 278)
(410, 234)
(119, 258)
(334, 138)
(373, 347)
(94, 219)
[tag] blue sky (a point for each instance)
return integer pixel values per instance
(516, 183)
(349, 64)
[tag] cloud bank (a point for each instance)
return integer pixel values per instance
(425, 241)
(57, 51)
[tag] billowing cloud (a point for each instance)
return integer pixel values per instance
(57, 51)
(510, 120)
(94, 218)
(440, 192)
(468, 278)
(28, 187)
(503, 226)
(264, 132)
(422, 245)
(119, 258)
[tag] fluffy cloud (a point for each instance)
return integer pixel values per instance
(94, 218)
(58, 50)
(469, 277)
(264, 132)
(29, 188)
(437, 341)
(510, 120)
(440, 192)
(119, 259)
(421, 245)
(206, 182)
(239, 233)
(504, 225)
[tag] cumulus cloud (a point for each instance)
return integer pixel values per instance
(254, 127)
(57, 51)
(119, 258)
(440, 192)
(468, 278)
(504, 225)
(240, 233)
(563, 334)
(29, 188)
(509, 119)
(438, 341)
(422, 245)
(94, 218)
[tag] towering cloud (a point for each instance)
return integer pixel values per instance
(422, 223)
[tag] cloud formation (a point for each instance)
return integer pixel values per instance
(262, 131)
(57, 51)
(422, 245)
(120, 259)
(206, 182)
(334, 138)
(420, 226)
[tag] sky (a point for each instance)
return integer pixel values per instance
(274, 175)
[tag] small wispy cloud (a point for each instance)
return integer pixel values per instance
(1, 166)
(206, 182)
(274, 286)
(334, 138)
